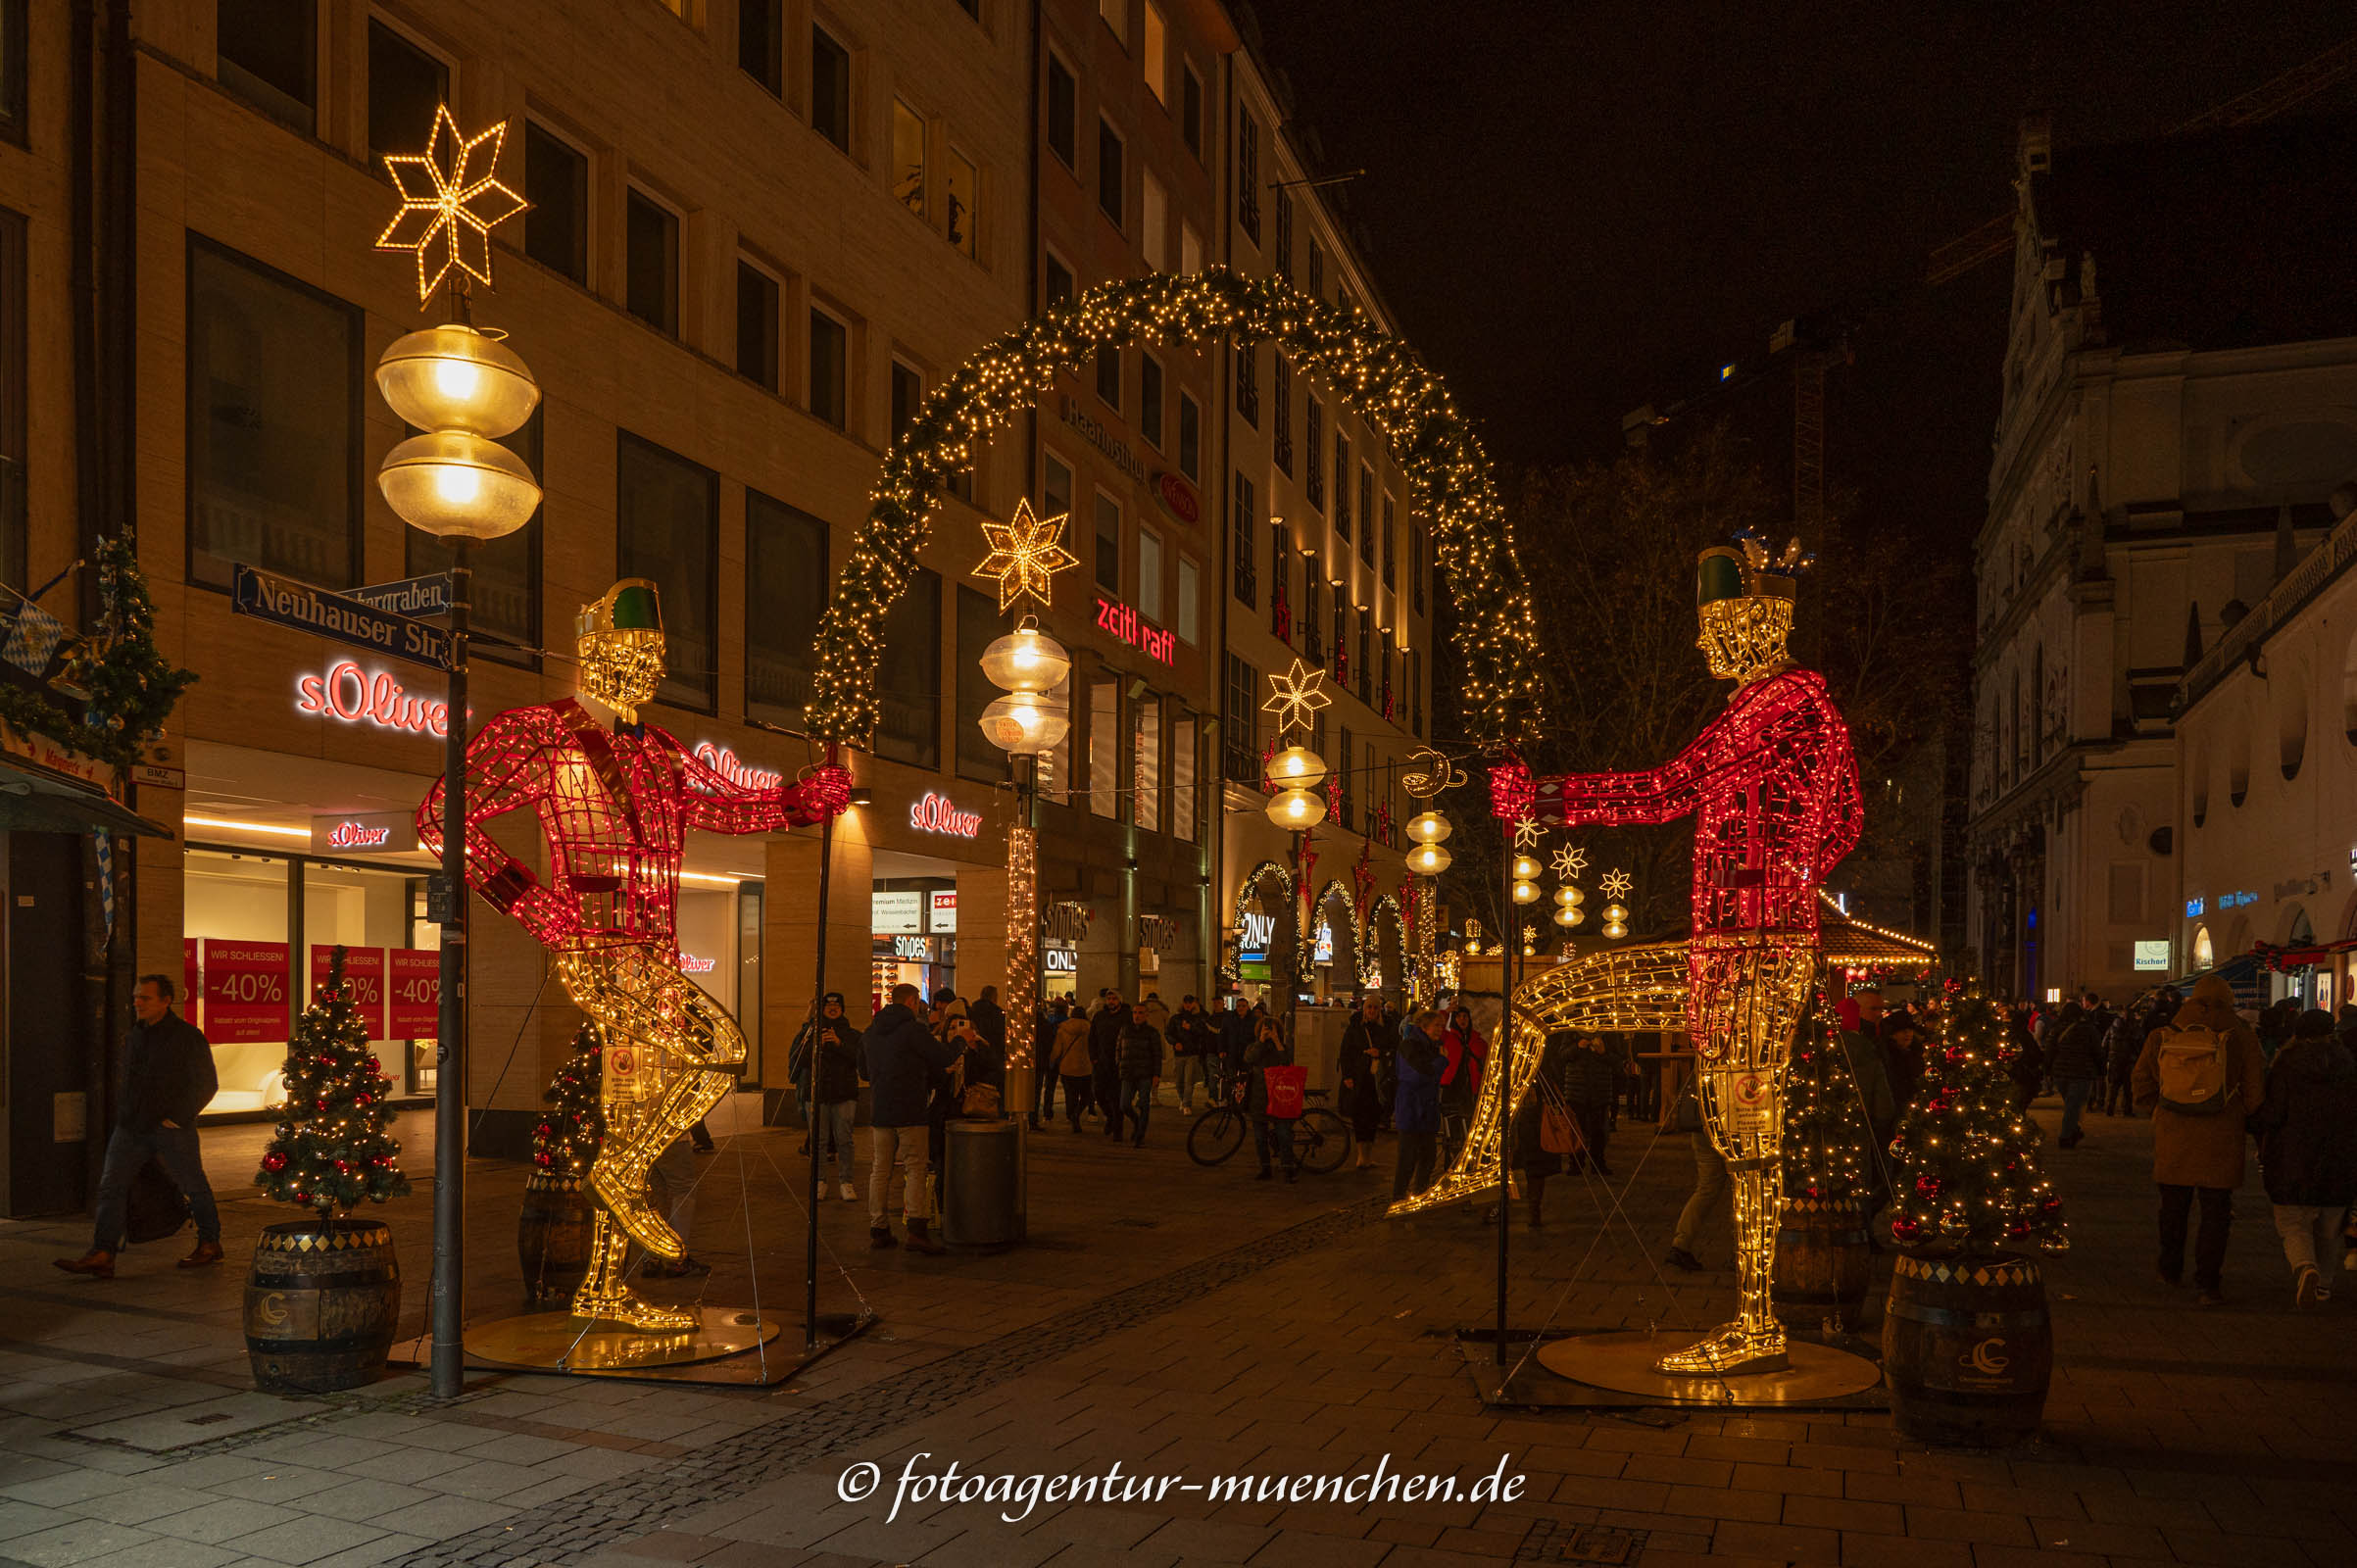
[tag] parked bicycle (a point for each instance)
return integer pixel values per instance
(1321, 1139)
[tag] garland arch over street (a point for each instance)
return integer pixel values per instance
(1378, 375)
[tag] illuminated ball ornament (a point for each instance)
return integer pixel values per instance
(1616, 922)
(1297, 811)
(1428, 827)
(1429, 860)
(1297, 767)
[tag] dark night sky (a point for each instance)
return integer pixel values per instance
(1577, 207)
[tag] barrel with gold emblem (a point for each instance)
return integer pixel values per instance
(323, 1301)
(1968, 1349)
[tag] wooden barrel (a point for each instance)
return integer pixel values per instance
(552, 1237)
(1967, 1350)
(1823, 1267)
(322, 1299)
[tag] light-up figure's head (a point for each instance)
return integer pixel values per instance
(1745, 602)
(619, 639)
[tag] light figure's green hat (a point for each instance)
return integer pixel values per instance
(1718, 575)
(630, 605)
(1745, 570)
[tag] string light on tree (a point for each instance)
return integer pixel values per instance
(331, 1151)
(1969, 1181)
(565, 1141)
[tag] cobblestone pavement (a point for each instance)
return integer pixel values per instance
(1181, 1323)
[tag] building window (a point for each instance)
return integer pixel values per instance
(1117, 17)
(15, 297)
(1341, 485)
(1184, 814)
(507, 569)
(1191, 110)
(961, 196)
(275, 382)
(1108, 544)
(1109, 172)
(1248, 176)
(1105, 747)
(757, 326)
(1391, 541)
(1190, 437)
(1367, 662)
(650, 289)
(1282, 263)
(908, 395)
(1342, 634)
(1063, 112)
(668, 513)
(1280, 385)
(269, 56)
(979, 622)
(556, 181)
(1313, 641)
(786, 579)
(1346, 795)
(1188, 595)
(1239, 725)
(405, 86)
(1367, 515)
(1150, 576)
(1248, 383)
(1154, 53)
(13, 29)
(1242, 532)
(1191, 250)
(1053, 776)
(1150, 400)
(909, 156)
(1154, 222)
(908, 675)
(1145, 763)
(830, 369)
(1313, 470)
(1109, 377)
(1056, 283)
(1317, 269)
(1280, 580)
(1415, 566)
(830, 88)
(1056, 487)
(761, 43)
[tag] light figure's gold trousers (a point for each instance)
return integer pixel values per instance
(668, 1046)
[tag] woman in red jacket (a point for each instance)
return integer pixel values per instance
(1466, 1052)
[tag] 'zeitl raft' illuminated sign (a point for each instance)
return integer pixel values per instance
(938, 813)
(1130, 627)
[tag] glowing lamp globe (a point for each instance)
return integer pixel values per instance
(1615, 930)
(456, 485)
(1525, 868)
(1566, 916)
(1297, 768)
(1024, 723)
(1526, 892)
(1429, 860)
(1615, 913)
(453, 378)
(1025, 660)
(1428, 827)
(1297, 811)
(1568, 897)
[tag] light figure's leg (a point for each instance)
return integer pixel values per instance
(664, 1035)
(1635, 988)
(1752, 998)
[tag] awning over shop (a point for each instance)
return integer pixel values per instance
(35, 798)
(2242, 975)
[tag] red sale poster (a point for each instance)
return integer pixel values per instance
(192, 990)
(363, 967)
(415, 983)
(245, 990)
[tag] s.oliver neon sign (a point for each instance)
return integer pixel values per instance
(724, 761)
(347, 692)
(938, 813)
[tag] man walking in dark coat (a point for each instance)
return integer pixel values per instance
(2307, 1127)
(1105, 1060)
(900, 1057)
(168, 1077)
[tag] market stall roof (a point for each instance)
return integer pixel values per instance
(42, 799)
(1847, 940)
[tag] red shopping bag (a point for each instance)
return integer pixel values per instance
(1286, 1086)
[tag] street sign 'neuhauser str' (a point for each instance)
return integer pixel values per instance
(335, 615)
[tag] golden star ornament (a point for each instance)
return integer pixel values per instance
(1527, 833)
(1615, 884)
(451, 199)
(1025, 555)
(1296, 696)
(1570, 861)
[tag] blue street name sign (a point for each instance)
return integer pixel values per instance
(338, 617)
(410, 596)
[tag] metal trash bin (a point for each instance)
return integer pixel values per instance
(983, 1174)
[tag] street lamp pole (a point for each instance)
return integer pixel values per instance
(448, 1318)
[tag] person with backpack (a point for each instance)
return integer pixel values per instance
(1140, 1062)
(2307, 1127)
(1416, 1105)
(2201, 1077)
(1272, 1132)
(2075, 1060)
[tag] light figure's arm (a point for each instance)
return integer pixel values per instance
(717, 806)
(504, 773)
(1677, 788)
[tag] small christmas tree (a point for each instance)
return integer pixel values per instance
(331, 1151)
(1969, 1181)
(1827, 1143)
(566, 1142)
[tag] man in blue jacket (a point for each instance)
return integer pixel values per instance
(900, 1057)
(168, 1077)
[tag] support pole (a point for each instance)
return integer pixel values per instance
(448, 1309)
(1508, 969)
(809, 1240)
(1290, 967)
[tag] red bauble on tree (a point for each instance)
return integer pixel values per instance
(340, 1151)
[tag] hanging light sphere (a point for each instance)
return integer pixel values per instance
(1297, 811)
(456, 485)
(1568, 896)
(1025, 660)
(1567, 916)
(1615, 913)
(1526, 892)
(1297, 768)
(1429, 860)
(1616, 930)
(1428, 827)
(453, 378)
(1525, 868)
(1024, 723)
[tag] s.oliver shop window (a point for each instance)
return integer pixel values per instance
(245, 980)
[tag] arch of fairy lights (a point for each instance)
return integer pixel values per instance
(1248, 895)
(1370, 942)
(1336, 891)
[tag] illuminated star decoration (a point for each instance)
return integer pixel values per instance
(1526, 833)
(1296, 696)
(1569, 862)
(1025, 553)
(1615, 884)
(1429, 773)
(451, 198)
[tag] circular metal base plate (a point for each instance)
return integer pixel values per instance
(1624, 1364)
(563, 1343)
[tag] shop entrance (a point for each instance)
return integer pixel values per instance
(912, 925)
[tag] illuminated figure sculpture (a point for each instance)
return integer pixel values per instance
(1773, 788)
(614, 803)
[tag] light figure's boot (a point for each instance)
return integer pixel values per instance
(605, 1298)
(1754, 1341)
